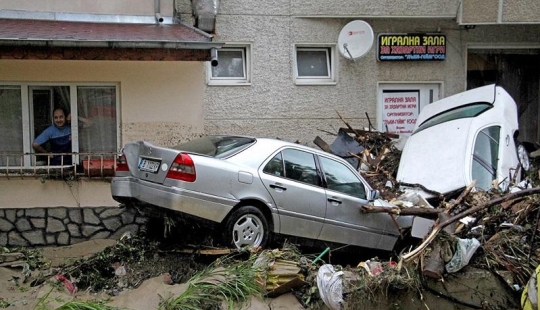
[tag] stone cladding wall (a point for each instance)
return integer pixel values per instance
(64, 226)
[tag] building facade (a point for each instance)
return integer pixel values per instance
(142, 70)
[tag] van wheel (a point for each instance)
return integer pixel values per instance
(246, 226)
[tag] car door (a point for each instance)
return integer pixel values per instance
(344, 223)
(292, 180)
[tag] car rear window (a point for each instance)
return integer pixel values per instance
(467, 111)
(216, 146)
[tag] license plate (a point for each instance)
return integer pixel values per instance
(149, 165)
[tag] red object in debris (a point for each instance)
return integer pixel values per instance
(72, 288)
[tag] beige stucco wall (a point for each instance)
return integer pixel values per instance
(161, 102)
(35, 192)
(495, 11)
(121, 7)
(273, 106)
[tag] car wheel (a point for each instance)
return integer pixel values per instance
(247, 226)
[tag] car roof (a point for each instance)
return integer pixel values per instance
(264, 147)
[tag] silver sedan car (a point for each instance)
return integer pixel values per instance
(253, 188)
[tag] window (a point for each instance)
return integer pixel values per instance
(26, 111)
(486, 157)
(233, 67)
(300, 166)
(341, 179)
(274, 166)
(216, 146)
(468, 111)
(11, 125)
(315, 65)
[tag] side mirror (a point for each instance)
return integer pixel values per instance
(374, 194)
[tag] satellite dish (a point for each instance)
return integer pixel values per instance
(355, 39)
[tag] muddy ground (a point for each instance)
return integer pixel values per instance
(155, 271)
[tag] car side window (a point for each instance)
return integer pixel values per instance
(300, 166)
(341, 179)
(486, 156)
(275, 166)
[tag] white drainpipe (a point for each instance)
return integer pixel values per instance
(157, 10)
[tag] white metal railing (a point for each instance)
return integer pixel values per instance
(91, 164)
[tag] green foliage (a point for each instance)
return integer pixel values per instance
(72, 305)
(223, 281)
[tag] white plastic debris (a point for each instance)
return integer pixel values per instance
(330, 286)
(464, 251)
(525, 184)
(468, 220)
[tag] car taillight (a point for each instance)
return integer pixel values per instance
(182, 168)
(121, 163)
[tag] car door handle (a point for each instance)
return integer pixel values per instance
(334, 200)
(274, 186)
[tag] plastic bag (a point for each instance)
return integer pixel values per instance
(464, 251)
(330, 286)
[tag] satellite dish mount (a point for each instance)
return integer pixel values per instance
(355, 39)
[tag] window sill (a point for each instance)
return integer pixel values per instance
(228, 83)
(316, 83)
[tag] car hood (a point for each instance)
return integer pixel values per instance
(423, 162)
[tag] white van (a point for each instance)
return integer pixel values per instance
(465, 137)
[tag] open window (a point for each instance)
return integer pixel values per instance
(90, 118)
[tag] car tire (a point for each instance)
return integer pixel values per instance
(247, 226)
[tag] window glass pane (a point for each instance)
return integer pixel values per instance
(313, 63)
(216, 146)
(300, 166)
(11, 133)
(97, 118)
(341, 179)
(274, 166)
(461, 112)
(230, 64)
(486, 156)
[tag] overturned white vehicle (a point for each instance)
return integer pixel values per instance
(465, 137)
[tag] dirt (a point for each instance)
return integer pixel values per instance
(145, 284)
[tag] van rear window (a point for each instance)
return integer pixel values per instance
(216, 146)
(467, 111)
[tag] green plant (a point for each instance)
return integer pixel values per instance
(220, 282)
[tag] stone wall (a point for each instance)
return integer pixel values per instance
(64, 226)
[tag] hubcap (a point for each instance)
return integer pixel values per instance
(248, 230)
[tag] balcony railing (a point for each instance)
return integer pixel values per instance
(91, 165)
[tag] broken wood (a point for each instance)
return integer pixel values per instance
(322, 144)
(401, 211)
(436, 229)
(365, 132)
(356, 133)
(461, 197)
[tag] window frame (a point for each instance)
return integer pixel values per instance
(27, 117)
(331, 65)
(245, 48)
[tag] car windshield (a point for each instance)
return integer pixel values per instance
(216, 146)
(467, 111)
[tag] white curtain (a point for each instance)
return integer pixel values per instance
(97, 104)
(11, 129)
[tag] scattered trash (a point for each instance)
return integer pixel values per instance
(70, 286)
(330, 286)
(465, 249)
